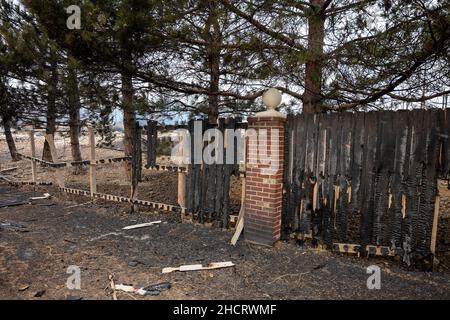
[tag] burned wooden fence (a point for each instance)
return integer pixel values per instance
(208, 193)
(203, 189)
(365, 178)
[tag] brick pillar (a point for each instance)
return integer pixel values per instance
(264, 181)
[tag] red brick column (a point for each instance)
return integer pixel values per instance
(264, 181)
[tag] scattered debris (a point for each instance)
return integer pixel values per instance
(152, 290)
(39, 293)
(14, 225)
(320, 266)
(163, 286)
(113, 286)
(144, 292)
(46, 196)
(23, 287)
(124, 288)
(12, 202)
(142, 225)
(198, 267)
(133, 263)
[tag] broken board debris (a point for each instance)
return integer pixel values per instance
(240, 219)
(142, 225)
(239, 226)
(20, 201)
(23, 287)
(46, 196)
(113, 286)
(199, 267)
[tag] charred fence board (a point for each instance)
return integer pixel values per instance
(228, 170)
(318, 201)
(286, 228)
(398, 181)
(445, 138)
(414, 181)
(152, 139)
(378, 170)
(428, 186)
(136, 164)
(357, 160)
(369, 177)
(342, 210)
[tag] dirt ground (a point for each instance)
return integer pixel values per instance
(44, 238)
(39, 241)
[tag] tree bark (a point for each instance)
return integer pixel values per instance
(312, 97)
(74, 113)
(10, 139)
(214, 40)
(129, 119)
(51, 109)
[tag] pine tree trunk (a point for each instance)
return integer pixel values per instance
(215, 40)
(312, 98)
(51, 110)
(128, 119)
(10, 139)
(74, 114)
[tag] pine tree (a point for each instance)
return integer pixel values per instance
(351, 54)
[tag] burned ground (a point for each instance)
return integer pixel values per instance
(39, 241)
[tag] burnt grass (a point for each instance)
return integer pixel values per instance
(39, 241)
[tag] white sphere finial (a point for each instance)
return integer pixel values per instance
(272, 98)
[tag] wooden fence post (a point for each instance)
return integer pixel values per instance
(140, 156)
(33, 155)
(152, 138)
(135, 166)
(92, 172)
(240, 219)
(59, 172)
(435, 225)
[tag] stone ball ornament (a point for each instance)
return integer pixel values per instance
(271, 99)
